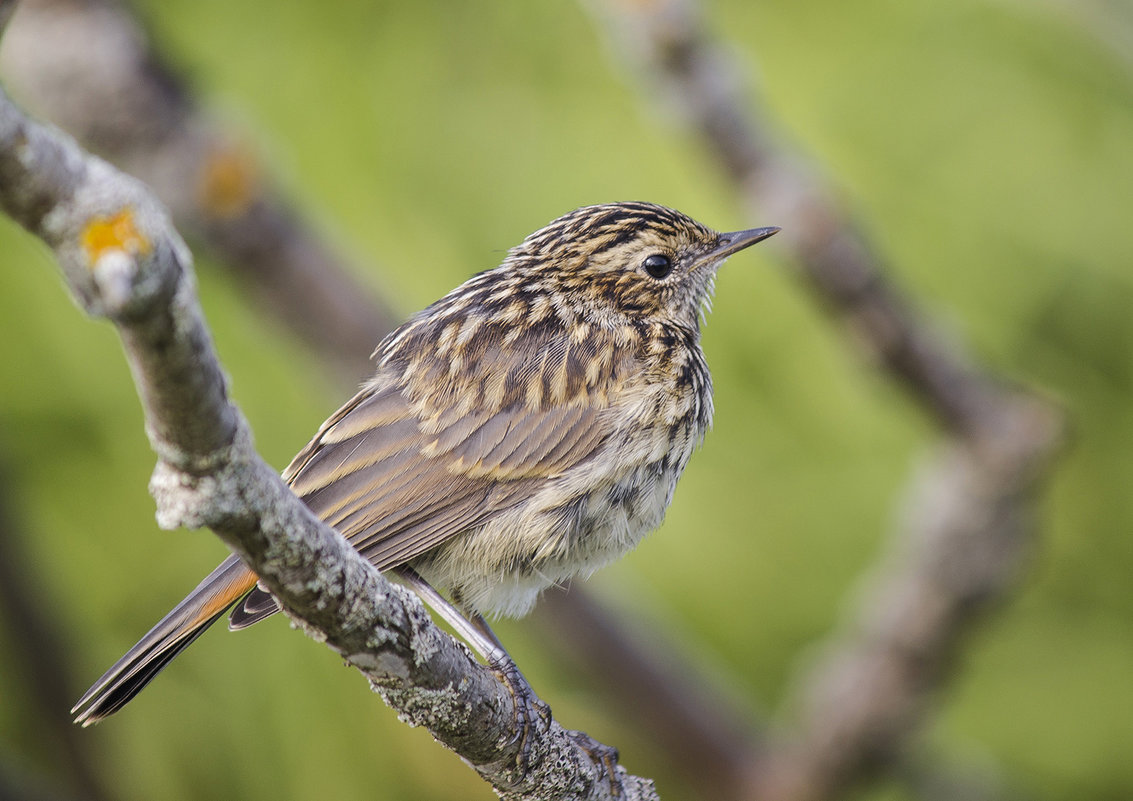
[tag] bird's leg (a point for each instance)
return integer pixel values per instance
(483, 640)
(474, 630)
(605, 755)
(524, 700)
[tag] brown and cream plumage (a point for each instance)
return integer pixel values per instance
(528, 427)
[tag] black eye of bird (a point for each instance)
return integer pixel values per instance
(658, 265)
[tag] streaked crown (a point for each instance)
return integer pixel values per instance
(624, 260)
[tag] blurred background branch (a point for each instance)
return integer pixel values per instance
(39, 663)
(88, 66)
(969, 519)
(860, 705)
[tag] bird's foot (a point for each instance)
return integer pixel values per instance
(528, 707)
(531, 711)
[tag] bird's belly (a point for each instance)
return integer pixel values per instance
(567, 529)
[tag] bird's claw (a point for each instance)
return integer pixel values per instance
(604, 755)
(527, 707)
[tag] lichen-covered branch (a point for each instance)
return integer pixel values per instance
(123, 261)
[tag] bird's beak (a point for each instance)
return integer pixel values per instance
(738, 240)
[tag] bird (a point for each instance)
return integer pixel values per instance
(527, 428)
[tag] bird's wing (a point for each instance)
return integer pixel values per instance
(397, 482)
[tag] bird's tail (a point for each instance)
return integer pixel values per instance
(188, 620)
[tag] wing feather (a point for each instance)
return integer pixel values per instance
(396, 490)
(529, 453)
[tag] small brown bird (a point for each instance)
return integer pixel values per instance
(526, 428)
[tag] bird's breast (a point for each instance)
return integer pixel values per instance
(583, 519)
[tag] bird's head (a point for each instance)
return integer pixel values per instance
(629, 261)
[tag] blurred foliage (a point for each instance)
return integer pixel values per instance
(985, 145)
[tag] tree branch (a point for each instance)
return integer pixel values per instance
(122, 260)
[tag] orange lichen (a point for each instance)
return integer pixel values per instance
(119, 232)
(229, 182)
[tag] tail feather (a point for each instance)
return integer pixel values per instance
(257, 605)
(188, 620)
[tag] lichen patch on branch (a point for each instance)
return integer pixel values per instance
(104, 235)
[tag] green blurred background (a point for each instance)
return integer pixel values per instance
(986, 146)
